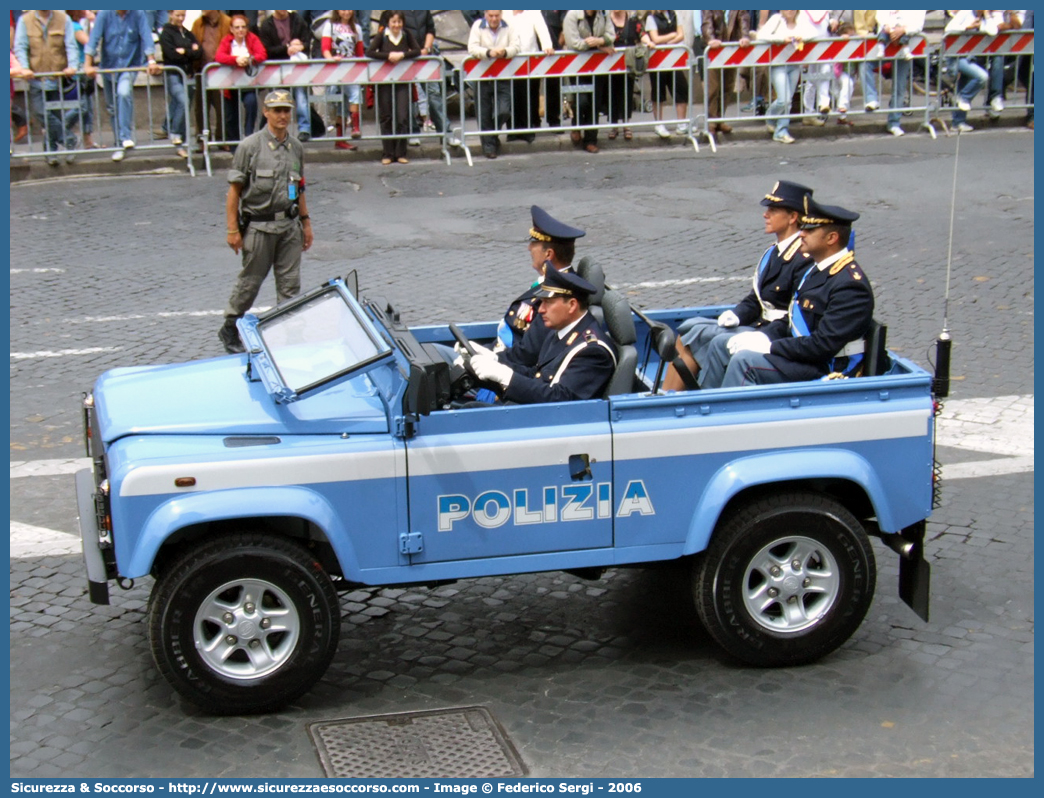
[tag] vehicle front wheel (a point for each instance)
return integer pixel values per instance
(786, 580)
(244, 623)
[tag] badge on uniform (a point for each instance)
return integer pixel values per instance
(836, 268)
(572, 337)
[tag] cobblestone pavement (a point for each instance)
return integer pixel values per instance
(588, 678)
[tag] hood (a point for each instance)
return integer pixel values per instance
(215, 397)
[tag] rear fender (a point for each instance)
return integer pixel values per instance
(246, 503)
(765, 469)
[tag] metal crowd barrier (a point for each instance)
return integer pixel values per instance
(505, 91)
(64, 108)
(1013, 47)
(815, 58)
(319, 74)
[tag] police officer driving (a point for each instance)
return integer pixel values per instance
(266, 213)
(575, 360)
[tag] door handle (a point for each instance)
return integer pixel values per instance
(579, 466)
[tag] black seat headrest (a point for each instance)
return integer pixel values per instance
(593, 273)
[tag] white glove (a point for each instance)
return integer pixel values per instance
(489, 369)
(728, 319)
(752, 341)
(479, 349)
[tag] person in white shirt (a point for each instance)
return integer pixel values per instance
(533, 37)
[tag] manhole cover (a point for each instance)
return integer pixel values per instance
(463, 743)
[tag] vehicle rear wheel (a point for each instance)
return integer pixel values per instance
(244, 623)
(786, 580)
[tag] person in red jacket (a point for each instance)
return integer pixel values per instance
(240, 48)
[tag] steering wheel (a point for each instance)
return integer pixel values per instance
(462, 379)
(462, 339)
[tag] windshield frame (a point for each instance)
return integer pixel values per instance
(264, 359)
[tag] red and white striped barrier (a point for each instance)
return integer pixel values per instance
(569, 64)
(814, 51)
(964, 45)
(320, 73)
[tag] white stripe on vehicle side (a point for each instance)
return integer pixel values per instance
(351, 466)
(674, 442)
(431, 460)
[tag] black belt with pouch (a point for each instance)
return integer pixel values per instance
(246, 218)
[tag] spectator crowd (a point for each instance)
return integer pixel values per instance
(72, 49)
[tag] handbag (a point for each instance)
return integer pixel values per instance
(636, 59)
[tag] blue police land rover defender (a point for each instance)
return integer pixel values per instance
(333, 454)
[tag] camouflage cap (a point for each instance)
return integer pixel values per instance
(279, 98)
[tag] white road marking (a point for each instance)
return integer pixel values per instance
(64, 352)
(38, 541)
(37, 271)
(686, 281)
(169, 314)
(47, 468)
(987, 468)
(999, 425)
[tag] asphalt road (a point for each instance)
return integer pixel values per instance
(610, 678)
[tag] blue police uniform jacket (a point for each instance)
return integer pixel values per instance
(778, 277)
(837, 305)
(577, 366)
(526, 328)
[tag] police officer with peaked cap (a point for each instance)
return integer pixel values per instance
(266, 213)
(576, 359)
(828, 319)
(775, 277)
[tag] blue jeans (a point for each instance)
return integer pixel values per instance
(233, 130)
(177, 104)
(304, 110)
(784, 82)
(119, 102)
(58, 123)
(970, 79)
(900, 77)
(996, 69)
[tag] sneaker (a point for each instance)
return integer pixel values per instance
(770, 127)
(896, 131)
(872, 106)
(963, 104)
(997, 103)
(906, 54)
(304, 135)
(814, 121)
(413, 142)
(182, 152)
(52, 160)
(429, 126)
(783, 138)
(177, 141)
(128, 144)
(878, 51)
(118, 155)
(963, 127)
(159, 133)
(70, 157)
(662, 132)
(682, 129)
(453, 140)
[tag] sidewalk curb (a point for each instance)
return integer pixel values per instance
(24, 170)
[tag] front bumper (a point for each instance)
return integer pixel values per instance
(94, 560)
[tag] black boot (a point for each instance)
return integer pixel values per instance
(229, 336)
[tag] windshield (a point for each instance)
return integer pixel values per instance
(317, 341)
